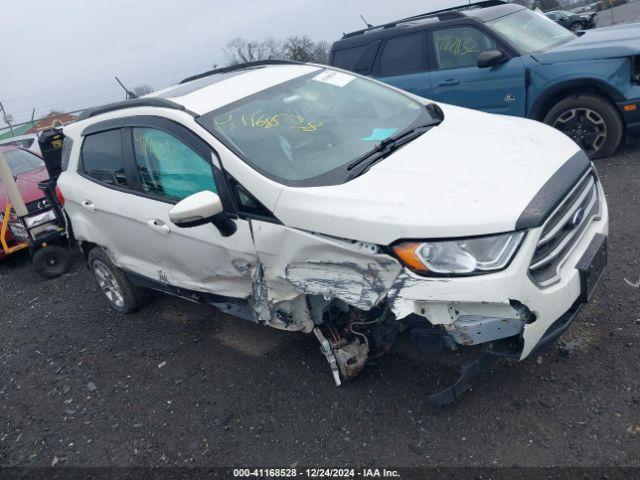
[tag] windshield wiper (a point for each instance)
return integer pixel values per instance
(384, 149)
(388, 146)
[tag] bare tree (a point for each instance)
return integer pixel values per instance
(321, 52)
(240, 50)
(301, 49)
(142, 89)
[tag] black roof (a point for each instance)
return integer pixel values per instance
(135, 102)
(239, 67)
(480, 11)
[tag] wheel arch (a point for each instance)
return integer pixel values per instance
(86, 247)
(556, 93)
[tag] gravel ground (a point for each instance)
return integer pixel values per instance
(181, 384)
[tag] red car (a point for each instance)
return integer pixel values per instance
(28, 170)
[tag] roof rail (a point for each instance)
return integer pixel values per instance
(135, 102)
(445, 13)
(240, 66)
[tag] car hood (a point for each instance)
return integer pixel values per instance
(473, 174)
(27, 185)
(600, 43)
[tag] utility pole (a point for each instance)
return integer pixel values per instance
(611, 6)
(7, 119)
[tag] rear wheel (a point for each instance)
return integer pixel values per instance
(122, 295)
(591, 121)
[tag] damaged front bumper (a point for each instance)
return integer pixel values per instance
(509, 304)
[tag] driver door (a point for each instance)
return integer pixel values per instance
(457, 79)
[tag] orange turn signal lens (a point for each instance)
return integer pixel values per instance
(630, 108)
(407, 253)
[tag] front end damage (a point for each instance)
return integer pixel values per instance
(355, 297)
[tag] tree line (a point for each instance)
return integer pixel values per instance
(296, 48)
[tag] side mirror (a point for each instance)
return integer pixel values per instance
(490, 58)
(199, 209)
(196, 209)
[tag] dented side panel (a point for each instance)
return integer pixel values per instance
(295, 263)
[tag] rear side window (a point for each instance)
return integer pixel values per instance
(403, 55)
(357, 59)
(348, 58)
(169, 168)
(102, 158)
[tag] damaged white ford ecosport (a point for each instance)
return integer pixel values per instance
(310, 199)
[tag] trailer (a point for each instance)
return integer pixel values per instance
(43, 232)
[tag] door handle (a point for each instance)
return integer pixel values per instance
(449, 82)
(158, 225)
(88, 204)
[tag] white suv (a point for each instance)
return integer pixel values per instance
(310, 199)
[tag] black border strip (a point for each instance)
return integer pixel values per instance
(552, 192)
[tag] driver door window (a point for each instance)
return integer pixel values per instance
(459, 47)
(167, 167)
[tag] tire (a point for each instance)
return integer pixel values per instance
(52, 261)
(592, 121)
(122, 295)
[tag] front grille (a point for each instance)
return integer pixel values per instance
(563, 229)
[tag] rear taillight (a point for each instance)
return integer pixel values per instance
(59, 196)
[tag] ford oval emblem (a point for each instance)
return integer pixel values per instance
(577, 217)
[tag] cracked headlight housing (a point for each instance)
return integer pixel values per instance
(465, 256)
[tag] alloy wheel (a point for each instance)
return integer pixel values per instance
(585, 126)
(108, 283)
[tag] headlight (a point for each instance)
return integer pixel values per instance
(466, 256)
(39, 219)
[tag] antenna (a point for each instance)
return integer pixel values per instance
(129, 93)
(365, 22)
(8, 119)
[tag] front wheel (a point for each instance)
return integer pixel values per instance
(591, 121)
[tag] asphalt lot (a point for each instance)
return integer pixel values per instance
(626, 13)
(181, 384)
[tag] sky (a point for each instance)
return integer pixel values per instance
(63, 55)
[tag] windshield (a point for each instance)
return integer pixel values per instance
(307, 130)
(21, 162)
(531, 32)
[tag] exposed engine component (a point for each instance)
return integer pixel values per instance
(352, 358)
(325, 346)
(352, 336)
